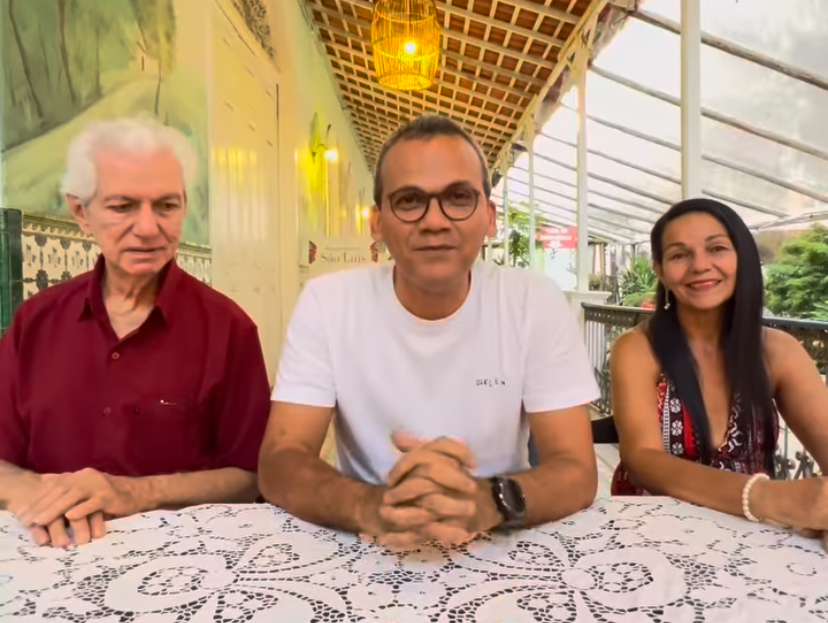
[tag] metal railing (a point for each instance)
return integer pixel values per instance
(604, 323)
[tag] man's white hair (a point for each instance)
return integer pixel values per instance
(133, 135)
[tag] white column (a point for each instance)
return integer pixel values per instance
(583, 260)
(529, 137)
(504, 170)
(691, 160)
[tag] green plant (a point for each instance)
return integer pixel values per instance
(595, 282)
(638, 284)
(519, 236)
(797, 285)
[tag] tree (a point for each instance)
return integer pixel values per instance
(64, 54)
(156, 23)
(24, 59)
(797, 286)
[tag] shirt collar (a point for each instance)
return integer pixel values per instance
(168, 279)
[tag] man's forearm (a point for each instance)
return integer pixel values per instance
(174, 491)
(12, 479)
(557, 489)
(310, 489)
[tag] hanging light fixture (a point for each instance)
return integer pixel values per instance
(405, 35)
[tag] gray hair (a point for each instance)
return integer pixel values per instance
(133, 135)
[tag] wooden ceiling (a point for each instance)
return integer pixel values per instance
(498, 55)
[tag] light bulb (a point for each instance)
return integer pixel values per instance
(410, 48)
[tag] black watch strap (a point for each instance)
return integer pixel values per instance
(510, 502)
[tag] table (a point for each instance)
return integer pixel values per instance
(624, 560)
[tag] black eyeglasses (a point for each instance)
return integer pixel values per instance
(457, 203)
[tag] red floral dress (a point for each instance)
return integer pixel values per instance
(679, 439)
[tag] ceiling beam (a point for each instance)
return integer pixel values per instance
(597, 193)
(736, 50)
(388, 125)
(625, 162)
(722, 162)
(342, 75)
(574, 42)
(446, 54)
(423, 107)
(715, 116)
(542, 10)
(510, 27)
(417, 96)
(511, 90)
(464, 38)
(592, 205)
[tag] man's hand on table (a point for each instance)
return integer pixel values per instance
(82, 500)
(431, 496)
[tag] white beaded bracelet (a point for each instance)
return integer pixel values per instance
(746, 495)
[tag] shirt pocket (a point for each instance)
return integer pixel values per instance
(171, 435)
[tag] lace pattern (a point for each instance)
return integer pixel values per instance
(625, 559)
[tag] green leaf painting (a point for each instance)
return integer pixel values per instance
(69, 62)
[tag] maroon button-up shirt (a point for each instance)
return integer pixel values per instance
(187, 391)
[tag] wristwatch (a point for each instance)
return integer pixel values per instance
(508, 497)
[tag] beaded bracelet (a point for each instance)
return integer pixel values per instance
(746, 495)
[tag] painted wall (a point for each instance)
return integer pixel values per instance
(68, 62)
(331, 196)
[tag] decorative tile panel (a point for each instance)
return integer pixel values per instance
(55, 250)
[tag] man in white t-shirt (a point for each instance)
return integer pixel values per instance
(434, 370)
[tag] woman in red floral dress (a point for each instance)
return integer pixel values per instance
(699, 388)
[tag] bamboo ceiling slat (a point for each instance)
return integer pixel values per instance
(497, 56)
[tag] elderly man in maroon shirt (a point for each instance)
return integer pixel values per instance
(132, 387)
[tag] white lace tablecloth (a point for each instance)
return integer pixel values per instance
(624, 560)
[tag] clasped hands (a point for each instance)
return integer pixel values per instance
(430, 496)
(49, 504)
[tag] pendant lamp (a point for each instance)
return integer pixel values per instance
(405, 35)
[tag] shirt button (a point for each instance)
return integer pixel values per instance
(116, 356)
(107, 411)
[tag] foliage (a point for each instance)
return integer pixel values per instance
(519, 236)
(797, 286)
(638, 284)
(60, 57)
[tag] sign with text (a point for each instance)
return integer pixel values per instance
(326, 255)
(558, 237)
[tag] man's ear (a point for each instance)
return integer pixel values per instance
(78, 211)
(374, 223)
(491, 231)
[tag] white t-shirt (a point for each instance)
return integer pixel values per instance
(514, 344)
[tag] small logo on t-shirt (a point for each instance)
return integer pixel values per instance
(490, 382)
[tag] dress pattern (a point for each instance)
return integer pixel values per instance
(678, 435)
(625, 560)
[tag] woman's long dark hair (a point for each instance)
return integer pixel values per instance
(741, 339)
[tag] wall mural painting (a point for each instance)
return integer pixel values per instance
(69, 62)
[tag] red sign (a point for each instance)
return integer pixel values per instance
(558, 237)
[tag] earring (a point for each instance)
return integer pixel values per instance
(666, 299)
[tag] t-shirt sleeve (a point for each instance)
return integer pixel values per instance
(305, 372)
(558, 372)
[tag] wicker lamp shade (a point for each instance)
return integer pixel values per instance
(405, 35)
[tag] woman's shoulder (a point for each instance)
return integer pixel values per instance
(632, 348)
(777, 343)
(781, 349)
